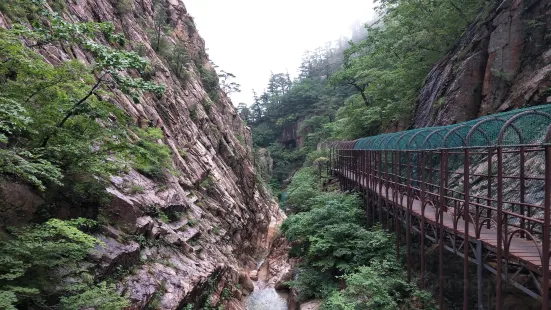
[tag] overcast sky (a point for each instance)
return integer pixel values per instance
(251, 38)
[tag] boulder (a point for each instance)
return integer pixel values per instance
(254, 275)
(144, 224)
(311, 305)
(246, 283)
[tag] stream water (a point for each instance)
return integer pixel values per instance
(266, 298)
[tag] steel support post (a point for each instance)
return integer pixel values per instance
(546, 223)
(479, 274)
(466, 215)
(443, 164)
(499, 255)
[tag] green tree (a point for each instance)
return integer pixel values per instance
(179, 59)
(227, 82)
(244, 112)
(160, 25)
(56, 120)
(388, 67)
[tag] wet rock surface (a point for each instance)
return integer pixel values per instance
(271, 290)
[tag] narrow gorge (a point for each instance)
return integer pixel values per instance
(137, 174)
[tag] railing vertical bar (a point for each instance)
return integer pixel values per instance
(379, 157)
(443, 167)
(395, 193)
(466, 215)
(388, 184)
(546, 232)
(409, 200)
(479, 274)
(499, 193)
(422, 236)
(489, 192)
(522, 189)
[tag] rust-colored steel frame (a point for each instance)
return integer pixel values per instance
(413, 189)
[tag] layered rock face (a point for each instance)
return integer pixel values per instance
(222, 215)
(294, 134)
(502, 62)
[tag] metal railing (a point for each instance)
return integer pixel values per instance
(485, 197)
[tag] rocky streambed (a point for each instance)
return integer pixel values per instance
(270, 277)
(265, 297)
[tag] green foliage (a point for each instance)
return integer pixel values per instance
(100, 297)
(208, 182)
(193, 222)
(155, 301)
(178, 58)
(41, 263)
(136, 189)
(307, 103)
(302, 189)
(7, 300)
(313, 283)
(329, 236)
(207, 104)
(123, 6)
(227, 82)
(244, 112)
(286, 161)
(161, 27)
(379, 287)
(149, 156)
(29, 167)
(60, 135)
(216, 230)
(210, 81)
(388, 67)
(28, 10)
(263, 135)
(163, 217)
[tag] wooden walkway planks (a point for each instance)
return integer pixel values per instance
(523, 250)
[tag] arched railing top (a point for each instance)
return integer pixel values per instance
(522, 126)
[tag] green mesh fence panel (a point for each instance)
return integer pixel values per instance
(517, 127)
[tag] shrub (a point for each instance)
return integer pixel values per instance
(123, 6)
(41, 264)
(193, 113)
(135, 189)
(208, 182)
(148, 156)
(209, 78)
(100, 297)
(329, 236)
(379, 287)
(302, 188)
(312, 283)
(207, 104)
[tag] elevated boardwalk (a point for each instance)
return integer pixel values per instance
(480, 190)
(524, 251)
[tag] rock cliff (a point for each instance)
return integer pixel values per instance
(218, 214)
(502, 62)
